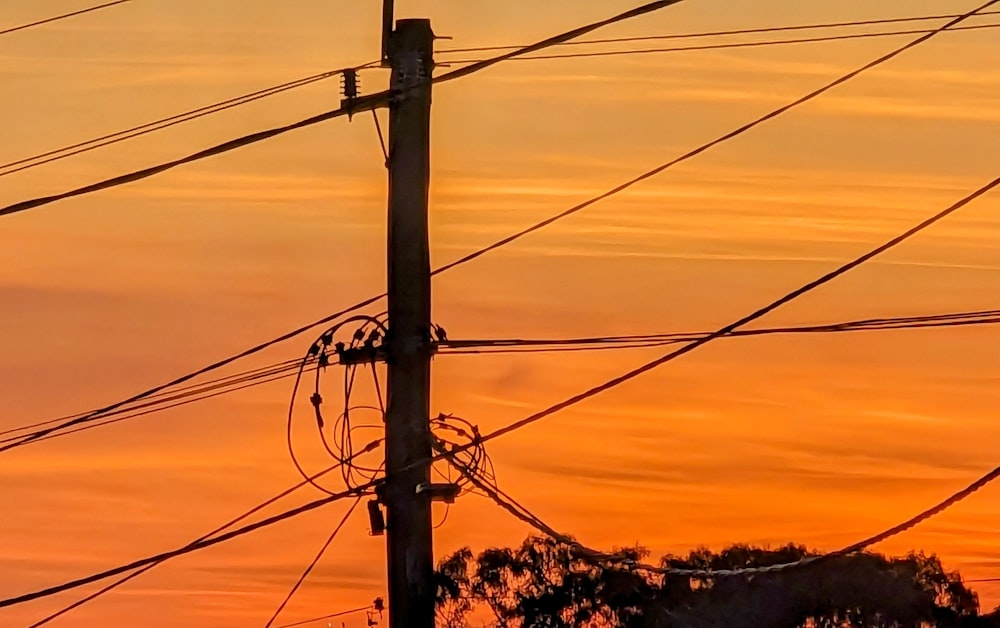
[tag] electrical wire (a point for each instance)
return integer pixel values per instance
(187, 549)
(957, 497)
(315, 560)
(64, 16)
(200, 539)
(719, 140)
(749, 318)
(478, 442)
(172, 395)
(353, 611)
(318, 351)
(119, 136)
(283, 370)
(722, 33)
(640, 341)
(47, 157)
(729, 45)
(520, 512)
(500, 243)
(163, 402)
(482, 64)
(100, 412)
(363, 103)
(826, 278)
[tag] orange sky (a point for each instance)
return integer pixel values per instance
(820, 440)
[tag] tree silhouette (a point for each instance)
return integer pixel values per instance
(543, 584)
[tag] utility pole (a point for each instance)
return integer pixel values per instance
(407, 494)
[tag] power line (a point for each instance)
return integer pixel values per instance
(145, 173)
(163, 123)
(372, 101)
(523, 514)
(287, 369)
(721, 33)
(169, 396)
(983, 580)
(363, 103)
(704, 147)
(749, 318)
(95, 419)
(537, 416)
(62, 17)
(187, 549)
(476, 66)
(204, 537)
(593, 343)
(34, 161)
(284, 370)
(315, 560)
(728, 45)
(553, 409)
(353, 611)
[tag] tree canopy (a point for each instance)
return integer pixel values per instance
(543, 584)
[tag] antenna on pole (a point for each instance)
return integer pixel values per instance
(388, 11)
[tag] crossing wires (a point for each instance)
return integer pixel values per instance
(724, 33)
(377, 100)
(50, 156)
(185, 395)
(479, 441)
(732, 45)
(58, 154)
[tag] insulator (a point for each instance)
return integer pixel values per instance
(350, 83)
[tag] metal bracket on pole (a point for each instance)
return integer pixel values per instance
(388, 11)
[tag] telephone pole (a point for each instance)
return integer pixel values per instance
(408, 345)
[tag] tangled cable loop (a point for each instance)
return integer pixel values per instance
(338, 438)
(464, 448)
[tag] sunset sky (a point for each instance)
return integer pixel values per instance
(821, 440)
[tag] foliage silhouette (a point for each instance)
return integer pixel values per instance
(543, 584)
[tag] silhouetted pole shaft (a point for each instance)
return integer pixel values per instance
(408, 522)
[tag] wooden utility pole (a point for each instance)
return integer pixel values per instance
(408, 345)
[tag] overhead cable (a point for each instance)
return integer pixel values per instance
(516, 236)
(64, 16)
(592, 392)
(729, 45)
(719, 140)
(363, 103)
(304, 622)
(187, 549)
(749, 318)
(585, 552)
(138, 572)
(50, 156)
(125, 412)
(638, 341)
(723, 33)
(185, 395)
(315, 560)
